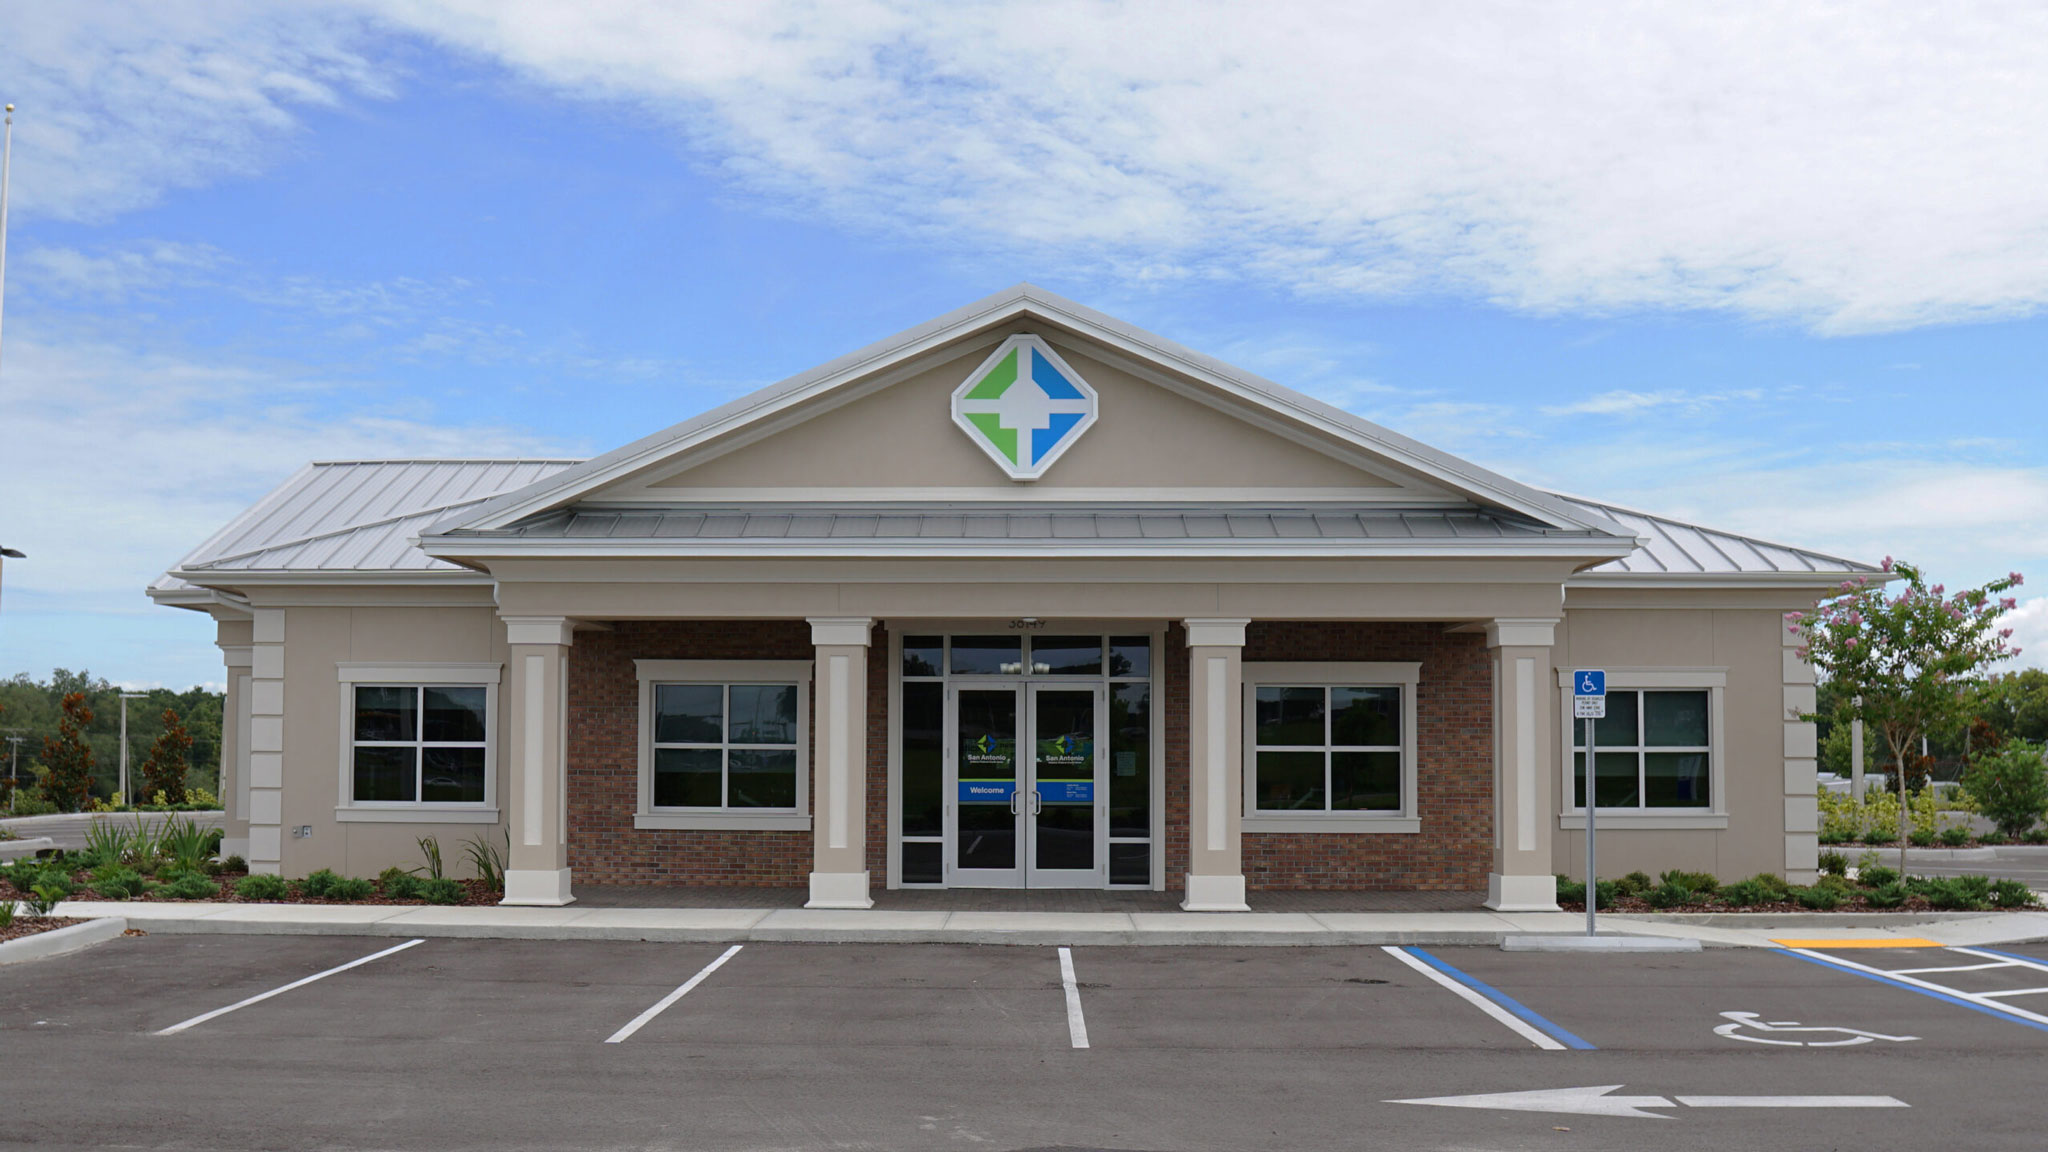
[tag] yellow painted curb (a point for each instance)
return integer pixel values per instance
(1908, 942)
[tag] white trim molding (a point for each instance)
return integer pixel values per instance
(1521, 633)
(856, 631)
(1220, 632)
(1403, 674)
(724, 673)
(558, 630)
(416, 814)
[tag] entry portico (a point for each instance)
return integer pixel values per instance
(1021, 597)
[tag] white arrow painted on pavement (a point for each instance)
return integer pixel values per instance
(1595, 1101)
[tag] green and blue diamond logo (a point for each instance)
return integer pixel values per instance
(1024, 406)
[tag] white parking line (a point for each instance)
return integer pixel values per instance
(1077, 1028)
(2016, 992)
(1950, 968)
(662, 1004)
(1982, 1001)
(300, 983)
(1514, 1023)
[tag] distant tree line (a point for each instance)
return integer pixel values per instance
(34, 710)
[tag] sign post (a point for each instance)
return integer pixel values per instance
(1589, 703)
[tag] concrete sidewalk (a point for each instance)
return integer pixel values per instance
(746, 925)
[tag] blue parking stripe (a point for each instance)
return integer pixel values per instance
(1927, 992)
(1503, 999)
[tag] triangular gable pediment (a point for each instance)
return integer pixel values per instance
(881, 424)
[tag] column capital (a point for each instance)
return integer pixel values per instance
(1216, 631)
(842, 630)
(557, 630)
(238, 655)
(1519, 632)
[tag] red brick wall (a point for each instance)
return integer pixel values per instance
(1454, 721)
(604, 761)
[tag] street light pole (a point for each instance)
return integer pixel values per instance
(6, 171)
(125, 698)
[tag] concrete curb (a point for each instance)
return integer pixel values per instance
(61, 940)
(1536, 943)
(16, 849)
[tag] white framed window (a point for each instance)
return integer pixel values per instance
(418, 742)
(1657, 756)
(724, 744)
(1330, 747)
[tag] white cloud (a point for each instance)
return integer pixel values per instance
(119, 462)
(1849, 169)
(1862, 169)
(121, 100)
(1623, 403)
(2029, 624)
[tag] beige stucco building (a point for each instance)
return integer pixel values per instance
(1020, 597)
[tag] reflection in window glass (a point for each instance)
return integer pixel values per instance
(760, 778)
(1290, 782)
(452, 776)
(763, 714)
(988, 655)
(1675, 719)
(1130, 760)
(688, 778)
(924, 863)
(385, 775)
(1365, 781)
(1130, 655)
(923, 655)
(1290, 716)
(1365, 717)
(924, 769)
(418, 744)
(730, 746)
(1653, 750)
(689, 713)
(386, 713)
(1066, 656)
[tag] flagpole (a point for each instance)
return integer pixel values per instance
(6, 170)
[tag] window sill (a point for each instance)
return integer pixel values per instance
(1383, 824)
(1648, 821)
(421, 814)
(724, 821)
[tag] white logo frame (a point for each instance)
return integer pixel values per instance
(1024, 469)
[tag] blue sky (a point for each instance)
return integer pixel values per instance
(1782, 279)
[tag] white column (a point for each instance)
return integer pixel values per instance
(234, 751)
(1215, 876)
(1525, 807)
(1802, 805)
(266, 743)
(537, 711)
(839, 870)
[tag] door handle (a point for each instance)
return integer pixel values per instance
(1037, 802)
(1014, 797)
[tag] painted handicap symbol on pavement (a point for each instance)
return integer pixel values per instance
(1740, 1024)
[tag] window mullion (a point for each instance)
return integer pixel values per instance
(419, 752)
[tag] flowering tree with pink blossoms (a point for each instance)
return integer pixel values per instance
(1900, 663)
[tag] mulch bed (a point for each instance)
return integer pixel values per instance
(31, 925)
(474, 893)
(1636, 904)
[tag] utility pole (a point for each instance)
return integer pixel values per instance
(125, 698)
(13, 768)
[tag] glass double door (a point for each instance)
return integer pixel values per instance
(1025, 770)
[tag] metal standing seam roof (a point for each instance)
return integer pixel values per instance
(363, 517)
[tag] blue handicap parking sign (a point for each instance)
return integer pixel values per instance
(1589, 682)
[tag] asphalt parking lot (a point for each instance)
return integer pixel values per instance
(355, 1042)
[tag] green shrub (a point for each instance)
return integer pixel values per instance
(1699, 882)
(431, 849)
(1992, 839)
(1886, 896)
(1960, 894)
(488, 860)
(399, 884)
(24, 872)
(2009, 786)
(2036, 836)
(1876, 876)
(319, 884)
(350, 888)
(1820, 897)
(1842, 884)
(1955, 837)
(1746, 894)
(1834, 863)
(1841, 818)
(106, 842)
(1774, 884)
(440, 890)
(118, 882)
(234, 864)
(6, 915)
(191, 886)
(1921, 837)
(262, 888)
(1634, 884)
(44, 897)
(184, 843)
(1669, 895)
(2012, 894)
(57, 879)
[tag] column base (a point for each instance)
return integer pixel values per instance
(839, 890)
(1521, 893)
(1215, 894)
(537, 887)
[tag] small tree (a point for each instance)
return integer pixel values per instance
(164, 771)
(2010, 786)
(68, 758)
(1902, 663)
